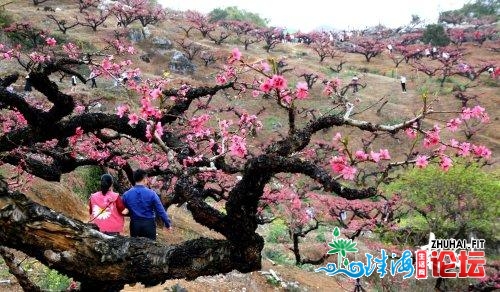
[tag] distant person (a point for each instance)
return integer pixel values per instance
(403, 83)
(355, 83)
(427, 52)
(389, 47)
(434, 52)
(496, 72)
(27, 84)
(144, 204)
(92, 79)
(73, 83)
(106, 208)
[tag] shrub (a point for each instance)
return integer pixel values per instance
(451, 204)
(5, 19)
(278, 232)
(51, 280)
(91, 181)
(435, 35)
(278, 257)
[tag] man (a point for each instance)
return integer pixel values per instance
(143, 204)
(92, 78)
(403, 84)
(354, 83)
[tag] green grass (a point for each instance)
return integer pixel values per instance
(278, 257)
(91, 181)
(51, 280)
(321, 235)
(271, 122)
(278, 232)
(4, 270)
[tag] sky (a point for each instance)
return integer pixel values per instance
(345, 14)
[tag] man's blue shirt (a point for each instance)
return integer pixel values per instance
(143, 202)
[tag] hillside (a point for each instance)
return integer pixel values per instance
(154, 54)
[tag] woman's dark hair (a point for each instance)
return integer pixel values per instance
(139, 175)
(106, 183)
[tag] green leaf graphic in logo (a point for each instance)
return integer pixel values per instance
(346, 262)
(336, 232)
(342, 246)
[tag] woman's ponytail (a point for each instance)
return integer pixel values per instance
(106, 183)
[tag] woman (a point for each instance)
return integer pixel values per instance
(106, 208)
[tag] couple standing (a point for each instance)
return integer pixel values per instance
(107, 208)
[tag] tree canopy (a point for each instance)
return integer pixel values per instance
(234, 13)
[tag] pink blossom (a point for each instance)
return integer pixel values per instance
(20, 119)
(464, 149)
(121, 110)
(224, 126)
(235, 55)
(375, 156)
(266, 86)
(481, 151)
(445, 163)
(411, 133)
(422, 161)
(220, 79)
(279, 82)
(296, 203)
(441, 149)
(7, 55)
(131, 50)
(238, 146)
(79, 109)
(466, 113)
(255, 93)
(453, 124)
(349, 172)
(361, 155)
(337, 138)
(133, 119)
(454, 143)
(229, 72)
(432, 138)
(159, 129)
(119, 160)
(79, 131)
(50, 42)
(149, 135)
(286, 98)
(106, 64)
(485, 118)
(198, 123)
(302, 90)
(38, 58)
(477, 111)
(338, 163)
(328, 90)
(155, 93)
(211, 143)
(265, 66)
(384, 154)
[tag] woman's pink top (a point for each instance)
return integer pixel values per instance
(105, 211)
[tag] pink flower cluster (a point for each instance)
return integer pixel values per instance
(477, 112)
(339, 165)
(238, 146)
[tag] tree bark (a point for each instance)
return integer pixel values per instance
(103, 262)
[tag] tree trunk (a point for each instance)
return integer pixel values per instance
(75, 249)
(296, 250)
